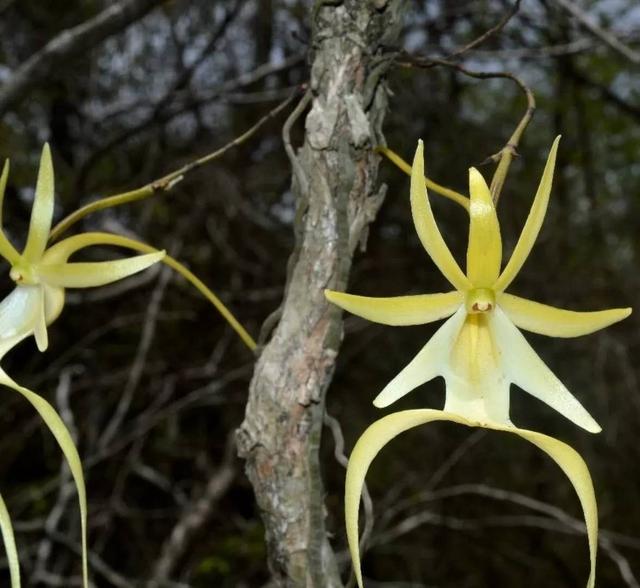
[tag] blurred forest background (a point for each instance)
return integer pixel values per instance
(153, 383)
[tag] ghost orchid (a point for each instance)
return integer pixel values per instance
(479, 350)
(41, 276)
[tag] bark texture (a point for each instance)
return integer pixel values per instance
(335, 181)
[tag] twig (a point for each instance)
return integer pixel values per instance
(137, 368)
(195, 517)
(488, 34)
(271, 321)
(595, 29)
(165, 115)
(70, 43)
(505, 156)
(296, 113)
(392, 156)
(167, 182)
(605, 92)
(367, 503)
(554, 519)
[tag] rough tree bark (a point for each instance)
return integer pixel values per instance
(335, 181)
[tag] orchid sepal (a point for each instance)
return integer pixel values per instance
(42, 210)
(557, 322)
(427, 228)
(100, 273)
(484, 253)
(533, 223)
(398, 310)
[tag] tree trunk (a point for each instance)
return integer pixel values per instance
(335, 182)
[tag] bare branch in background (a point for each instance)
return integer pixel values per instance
(488, 34)
(69, 44)
(505, 156)
(195, 517)
(367, 504)
(594, 28)
(112, 428)
(167, 182)
(165, 115)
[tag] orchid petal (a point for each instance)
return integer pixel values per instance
(523, 367)
(532, 225)
(59, 430)
(53, 302)
(87, 275)
(484, 253)
(18, 312)
(42, 211)
(427, 228)
(7, 250)
(9, 541)
(387, 428)
(3, 185)
(429, 363)
(398, 310)
(40, 326)
(557, 322)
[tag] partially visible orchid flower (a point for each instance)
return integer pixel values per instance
(479, 350)
(41, 276)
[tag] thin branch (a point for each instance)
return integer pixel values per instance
(165, 115)
(112, 428)
(595, 29)
(392, 156)
(488, 34)
(195, 517)
(66, 489)
(505, 156)
(553, 519)
(338, 452)
(167, 182)
(69, 44)
(605, 92)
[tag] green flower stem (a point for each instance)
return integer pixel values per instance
(431, 185)
(508, 152)
(167, 182)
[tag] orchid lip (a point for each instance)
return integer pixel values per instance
(480, 300)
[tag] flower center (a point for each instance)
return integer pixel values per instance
(24, 274)
(480, 300)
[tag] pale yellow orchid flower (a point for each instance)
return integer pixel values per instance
(479, 350)
(41, 276)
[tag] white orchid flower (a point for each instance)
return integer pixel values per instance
(479, 350)
(41, 276)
